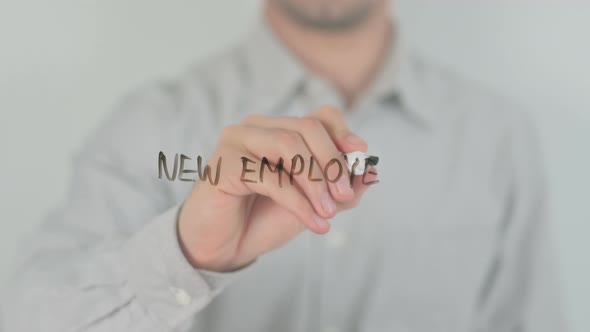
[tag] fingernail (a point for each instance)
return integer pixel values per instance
(321, 222)
(343, 186)
(328, 203)
(355, 140)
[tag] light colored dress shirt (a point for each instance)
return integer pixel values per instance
(452, 238)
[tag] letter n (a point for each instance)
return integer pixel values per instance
(162, 164)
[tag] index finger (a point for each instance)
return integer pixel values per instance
(335, 124)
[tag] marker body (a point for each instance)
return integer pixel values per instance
(352, 157)
(363, 160)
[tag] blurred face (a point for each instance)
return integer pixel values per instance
(329, 14)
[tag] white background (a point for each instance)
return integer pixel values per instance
(63, 63)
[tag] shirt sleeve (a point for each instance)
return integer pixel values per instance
(522, 290)
(109, 258)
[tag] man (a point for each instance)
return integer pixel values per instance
(451, 238)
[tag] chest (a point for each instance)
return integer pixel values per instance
(422, 240)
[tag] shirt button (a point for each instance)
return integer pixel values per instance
(337, 239)
(182, 297)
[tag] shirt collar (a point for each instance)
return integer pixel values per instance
(274, 72)
(277, 75)
(400, 80)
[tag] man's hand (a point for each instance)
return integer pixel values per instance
(224, 227)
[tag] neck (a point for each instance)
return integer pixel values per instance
(349, 59)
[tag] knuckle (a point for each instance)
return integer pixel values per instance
(287, 139)
(252, 118)
(311, 124)
(330, 111)
(227, 133)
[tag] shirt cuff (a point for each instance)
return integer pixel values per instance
(162, 279)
